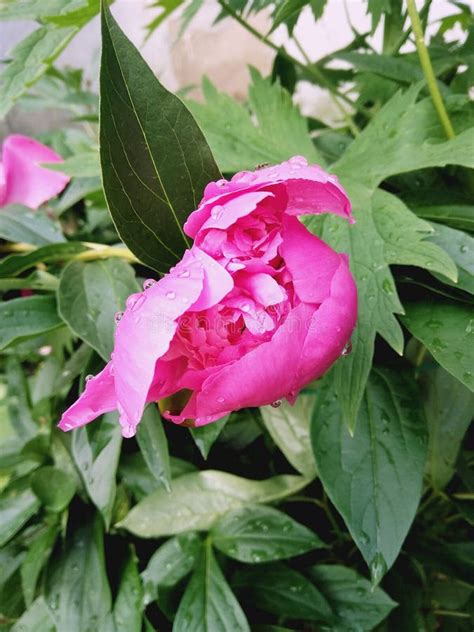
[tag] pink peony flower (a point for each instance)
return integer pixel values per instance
(22, 180)
(255, 310)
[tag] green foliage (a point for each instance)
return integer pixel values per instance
(368, 474)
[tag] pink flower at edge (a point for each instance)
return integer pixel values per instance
(255, 310)
(22, 179)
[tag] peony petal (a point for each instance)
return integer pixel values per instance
(144, 334)
(217, 281)
(25, 181)
(265, 374)
(262, 287)
(310, 261)
(330, 328)
(97, 398)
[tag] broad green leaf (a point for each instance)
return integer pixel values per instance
(128, 607)
(446, 329)
(73, 367)
(289, 428)
(16, 263)
(18, 401)
(35, 558)
(37, 280)
(29, 60)
(396, 236)
(97, 461)
(399, 69)
(449, 408)
(77, 590)
(154, 168)
(16, 508)
(374, 478)
(198, 499)
(77, 190)
(205, 436)
(278, 589)
(22, 318)
(82, 165)
(53, 487)
(170, 563)
(19, 223)
(77, 13)
(37, 618)
(208, 604)
(37, 9)
(459, 216)
(153, 445)
(404, 136)
(262, 534)
(357, 605)
(460, 247)
(237, 142)
(89, 295)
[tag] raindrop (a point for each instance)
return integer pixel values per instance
(118, 317)
(89, 378)
(347, 349)
(148, 284)
(217, 211)
(184, 274)
(463, 248)
(170, 295)
(245, 307)
(221, 400)
(276, 403)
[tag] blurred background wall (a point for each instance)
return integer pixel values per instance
(221, 51)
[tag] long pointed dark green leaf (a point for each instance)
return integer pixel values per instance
(155, 159)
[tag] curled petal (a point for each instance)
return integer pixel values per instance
(24, 180)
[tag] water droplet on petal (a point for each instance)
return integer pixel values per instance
(148, 284)
(217, 211)
(184, 274)
(276, 403)
(118, 317)
(89, 378)
(347, 349)
(170, 295)
(221, 400)
(245, 307)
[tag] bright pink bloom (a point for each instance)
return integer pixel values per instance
(254, 311)
(22, 180)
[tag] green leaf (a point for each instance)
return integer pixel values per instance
(198, 499)
(153, 445)
(82, 165)
(154, 168)
(18, 401)
(37, 280)
(37, 618)
(208, 604)
(15, 264)
(278, 589)
(77, 590)
(449, 408)
(237, 143)
(97, 461)
(53, 487)
(460, 247)
(288, 426)
(373, 478)
(357, 605)
(16, 508)
(459, 216)
(396, 236)
(404, 136)
(29, 60)
(22, 318)
(89, 295)
(399, 69)
(128, 607)
(205, 436)
(170, 563)
(19, 223)
(37, 9)
(262, 534)
(35, 558)
(446, 328)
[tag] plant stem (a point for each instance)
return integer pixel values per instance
(427, 68)
(311, 69)
(347, 117)
(95, 251)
